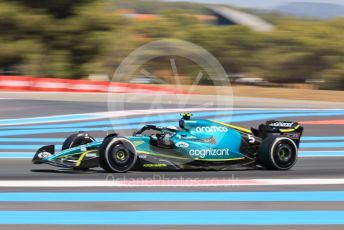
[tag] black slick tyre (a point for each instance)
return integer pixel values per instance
(117, 154)
(77, 139)
(277, 153)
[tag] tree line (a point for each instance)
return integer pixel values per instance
(72, 39)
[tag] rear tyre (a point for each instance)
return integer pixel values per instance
(278, 153)
(117, 154)
(77, 139)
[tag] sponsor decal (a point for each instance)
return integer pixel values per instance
(202, 153)
(182, 144)
(282, 124)
(211, 129)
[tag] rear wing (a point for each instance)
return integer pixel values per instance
(290, 129)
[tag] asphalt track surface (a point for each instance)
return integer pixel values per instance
(21, 141)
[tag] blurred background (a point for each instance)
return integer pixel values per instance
(278, 44)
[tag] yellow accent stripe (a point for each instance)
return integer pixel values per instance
(289, 130)
(82, 156)
(233, 126)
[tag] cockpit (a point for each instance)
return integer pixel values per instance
(159, 136)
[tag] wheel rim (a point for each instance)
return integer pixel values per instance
(121, 156)
(285, 155)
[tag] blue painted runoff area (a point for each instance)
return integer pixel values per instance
(319, 153)
(320, 144)
(56, 118)
(224, 116)
(173, 217)
(24, 147)
(154, 117)
(322, 138)
(310, 196)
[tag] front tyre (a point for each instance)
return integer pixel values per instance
(77, 139)
(117, 154)
(278, 153)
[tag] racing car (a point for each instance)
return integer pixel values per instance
(195, 144)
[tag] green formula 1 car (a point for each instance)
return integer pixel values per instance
(195, 144)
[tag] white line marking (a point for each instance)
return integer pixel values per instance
(169, 183)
